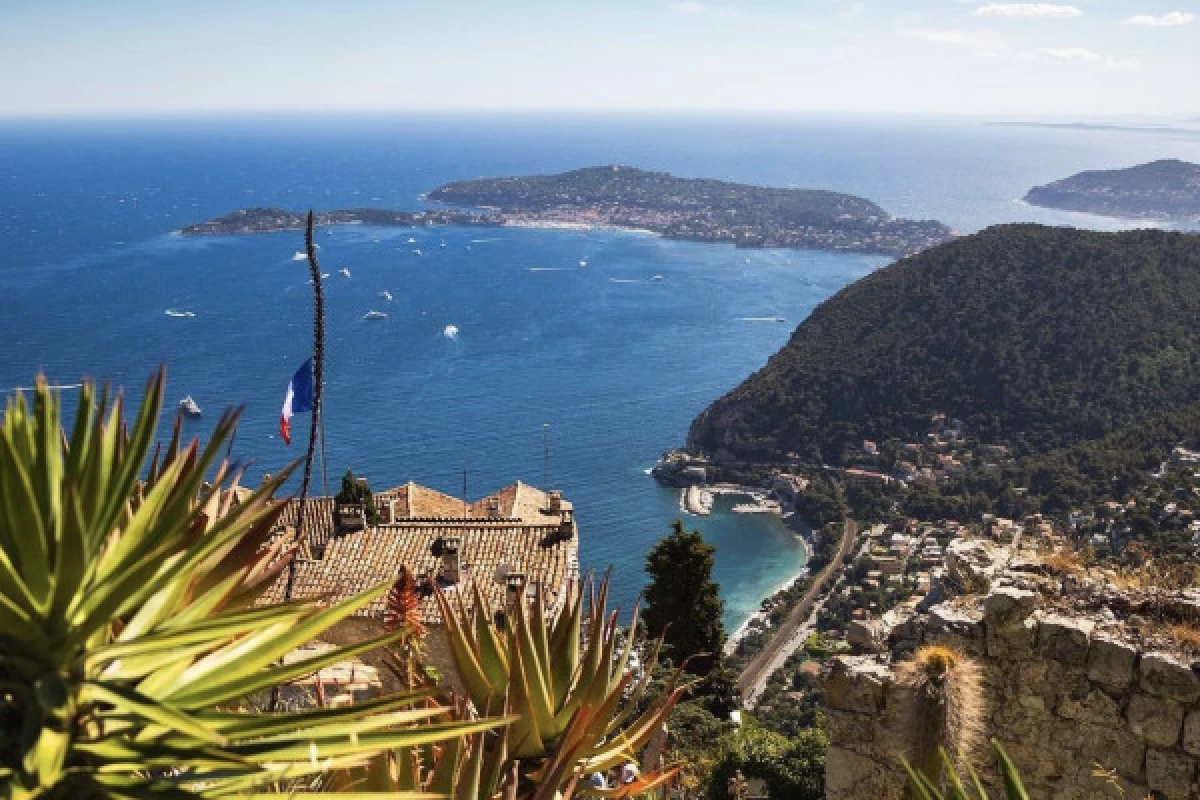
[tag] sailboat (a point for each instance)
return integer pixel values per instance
(189, 407)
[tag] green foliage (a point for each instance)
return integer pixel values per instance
(921, 788)
(683, 604)
(356, 491)
(792, 767)
(1053, 335)
(130, 636)
(821, 503)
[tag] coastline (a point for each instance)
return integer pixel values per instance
(739, 633)
(743, 628)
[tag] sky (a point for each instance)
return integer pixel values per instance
(1080, 58)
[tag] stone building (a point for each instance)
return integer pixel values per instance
(1084, 685)
(518, 537)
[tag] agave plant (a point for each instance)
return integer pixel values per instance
(922, 788)
(574, 706)
(129, 632)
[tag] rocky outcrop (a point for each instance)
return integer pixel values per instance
(1087, 699)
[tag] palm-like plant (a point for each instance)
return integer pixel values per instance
(574, 706)
(129, 634)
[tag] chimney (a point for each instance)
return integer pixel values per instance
(555, 502)
(514, 584)
(452, 559)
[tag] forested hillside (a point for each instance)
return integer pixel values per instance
(1052, 336)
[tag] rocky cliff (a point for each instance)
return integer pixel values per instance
(1090, 688)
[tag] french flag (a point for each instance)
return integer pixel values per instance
(299, 398)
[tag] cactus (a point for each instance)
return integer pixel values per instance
(946, 709)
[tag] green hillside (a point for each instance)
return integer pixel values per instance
(1053, 335)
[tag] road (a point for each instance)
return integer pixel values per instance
(792, 631)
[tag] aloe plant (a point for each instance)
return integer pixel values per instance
(574, 706)
(922, 788)
(129, 633)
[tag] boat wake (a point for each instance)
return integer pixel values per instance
(624, 280)
(761, 319)
(34, 388)
(544, 269)
(171, 312)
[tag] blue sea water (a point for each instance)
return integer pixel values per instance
(614, 361)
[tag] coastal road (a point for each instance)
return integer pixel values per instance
(793, 630)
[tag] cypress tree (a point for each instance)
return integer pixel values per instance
(683, 600)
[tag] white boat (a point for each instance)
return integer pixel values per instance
(450, 331)
(345, 273)
(299, 255)
(417, 252)
(658, 277)
(442, 244)
(171, 312)
(375, 315)
(386, 295)
(188, 406)
(582, 263)
(411, 240)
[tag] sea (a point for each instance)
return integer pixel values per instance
(502, 356)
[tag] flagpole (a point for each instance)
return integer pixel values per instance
(318, 382)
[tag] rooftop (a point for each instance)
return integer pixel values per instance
(519, 529)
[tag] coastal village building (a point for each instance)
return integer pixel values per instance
(517, 537)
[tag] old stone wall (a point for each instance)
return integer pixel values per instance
(436, 651)
(1081, 705)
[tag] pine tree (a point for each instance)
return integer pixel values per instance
(683, 600)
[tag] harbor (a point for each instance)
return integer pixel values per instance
(698, 500)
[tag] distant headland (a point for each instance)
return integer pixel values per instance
(1163, 190)
(627, 198)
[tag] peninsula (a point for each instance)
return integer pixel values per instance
(633, 199)
(1160, 190)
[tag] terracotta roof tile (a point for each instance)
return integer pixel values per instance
(355, 561)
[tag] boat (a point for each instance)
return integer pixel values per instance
(189, 407)
(299, 255)
(375, 315)
(171, 312)
(450, 331)
(417, 252)
(386, 295)
(345, 273)
(443, 243)
(582, 263)
(658, 277)
(411, 240)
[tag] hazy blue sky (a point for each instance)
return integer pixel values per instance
(1074, 58)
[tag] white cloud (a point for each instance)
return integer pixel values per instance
(690, 8)
(1171, 19)
(1028, 10)
(1082, 55)
(1071, 54)
(943, 36)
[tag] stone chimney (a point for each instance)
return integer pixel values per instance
(452, 559)
(514, 585)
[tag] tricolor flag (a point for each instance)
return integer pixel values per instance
(299, 398)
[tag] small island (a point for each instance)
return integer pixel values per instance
(627, 198)
(1167, 190)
